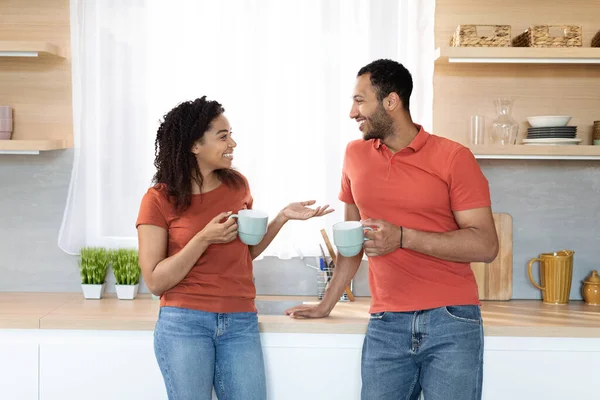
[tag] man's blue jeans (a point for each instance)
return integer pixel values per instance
(196, 350)
(438, 351)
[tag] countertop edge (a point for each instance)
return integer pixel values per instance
(68, 311)
(283, 326)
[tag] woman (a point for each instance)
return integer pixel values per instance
(207, 330)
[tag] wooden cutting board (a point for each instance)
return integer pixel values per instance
(495, 279)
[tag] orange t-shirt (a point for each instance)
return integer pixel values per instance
(221, 279)
(418, 187)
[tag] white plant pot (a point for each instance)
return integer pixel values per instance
(127, 292)
(93, 291)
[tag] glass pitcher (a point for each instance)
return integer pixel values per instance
(504, 127)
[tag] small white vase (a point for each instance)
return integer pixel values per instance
(93, 291)
(127, 292)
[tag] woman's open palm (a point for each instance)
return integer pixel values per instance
(301, 211)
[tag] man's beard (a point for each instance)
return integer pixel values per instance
(380, 125)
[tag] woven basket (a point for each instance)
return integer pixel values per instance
(596, 131)
(596, 40)
(539, 36)
(467, 36)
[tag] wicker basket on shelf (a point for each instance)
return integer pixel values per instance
(539, 36)
(596, 40)
(468, 36)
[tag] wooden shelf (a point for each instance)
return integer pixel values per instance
(530, 152)
(515, 55)
(30, 49)
(35, 74)
(30, 146)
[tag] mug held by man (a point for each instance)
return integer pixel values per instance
(349, 237)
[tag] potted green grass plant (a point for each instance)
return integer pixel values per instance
(126, 268)
(93, 265)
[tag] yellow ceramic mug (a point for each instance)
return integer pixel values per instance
(556, 274)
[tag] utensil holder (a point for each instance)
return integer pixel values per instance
(324, 278)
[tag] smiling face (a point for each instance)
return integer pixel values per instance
(373, 121)
(215, 150)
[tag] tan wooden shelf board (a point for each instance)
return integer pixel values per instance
(31, 146)
(581, 152)
(568, 55)
(29, 49)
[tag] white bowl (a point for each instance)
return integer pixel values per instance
(548, 120)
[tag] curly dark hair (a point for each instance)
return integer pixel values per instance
(176, 165)
(389, 76)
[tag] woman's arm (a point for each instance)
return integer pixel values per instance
(272, 231)
(297, 211)
(160, 272)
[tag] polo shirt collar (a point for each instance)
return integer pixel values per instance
(417, 143)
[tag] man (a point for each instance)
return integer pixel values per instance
(429, 204)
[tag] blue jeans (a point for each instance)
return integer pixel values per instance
(197, 350)
(438, 351)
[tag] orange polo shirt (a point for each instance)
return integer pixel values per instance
(418, 187)
(221, 279)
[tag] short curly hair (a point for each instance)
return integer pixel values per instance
(176, 165)
(389, 76)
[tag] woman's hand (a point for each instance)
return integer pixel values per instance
(220, 232)
(300, 211)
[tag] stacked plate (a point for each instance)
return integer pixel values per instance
(551, 130)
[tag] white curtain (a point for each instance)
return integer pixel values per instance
(284, 71)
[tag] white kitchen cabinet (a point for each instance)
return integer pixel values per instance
(18, 366)
(99, 365)
(540, 368)
(312, 366)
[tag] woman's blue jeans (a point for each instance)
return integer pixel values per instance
(197, 350)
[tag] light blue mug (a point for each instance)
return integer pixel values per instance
(349, 237)
(252, 226)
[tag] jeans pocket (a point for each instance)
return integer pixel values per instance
(468, 313)
(378, 316)
(244, 322)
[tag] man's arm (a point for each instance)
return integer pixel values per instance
(476, 239)
(343, 273)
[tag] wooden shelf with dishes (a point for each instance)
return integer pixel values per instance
(518, 55)
(35, 76)
(540, 80)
